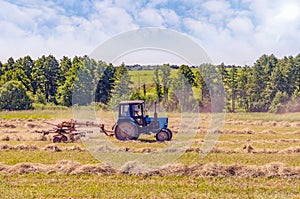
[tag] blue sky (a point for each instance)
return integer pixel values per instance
(233, 32)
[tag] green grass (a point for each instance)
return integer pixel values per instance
(36, 114)
(45, 157)
(124, 186)
(240, 159)
(290, 117)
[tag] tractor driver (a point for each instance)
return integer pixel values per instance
(137, 110)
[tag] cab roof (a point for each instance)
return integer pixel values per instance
(132, 102)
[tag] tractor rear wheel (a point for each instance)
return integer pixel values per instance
(126, 131)
(163, 135)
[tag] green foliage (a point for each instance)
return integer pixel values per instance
(82, 80)
(165, 74)
(105, 85)
(46, 75)
(122, 90)
(13, 96)
(156, 80)
(182, 88)
(277, 105)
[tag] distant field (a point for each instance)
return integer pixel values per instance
(256, 156)
(145, 76)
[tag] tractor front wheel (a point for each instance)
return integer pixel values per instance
(170, 134)
(126, 131)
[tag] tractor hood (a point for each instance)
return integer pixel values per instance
(163, 121)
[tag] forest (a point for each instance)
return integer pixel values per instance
(269, 85)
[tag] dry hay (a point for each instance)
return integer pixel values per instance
(218, 170)
(24, 168)
(290, 150)
(55, 148)
(10, 126)
(66, 167)
(74, 148)
(94, 169)
(268, 131)
(261, 123)
(245, 131)
(135, 168)
(106, 149)
(296, 133)
(52, 147)
(5, 138)
(5, 147)
(248, 148)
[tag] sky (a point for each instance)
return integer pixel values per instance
(230, 31)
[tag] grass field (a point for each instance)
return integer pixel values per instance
(256, 156)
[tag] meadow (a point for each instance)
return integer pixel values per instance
(256, 156)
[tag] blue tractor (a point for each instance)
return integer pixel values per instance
(132, 122)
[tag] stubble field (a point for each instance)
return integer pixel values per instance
(256, 156)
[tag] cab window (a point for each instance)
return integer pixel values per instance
(124, 110)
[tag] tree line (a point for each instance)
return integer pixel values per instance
(271, 84)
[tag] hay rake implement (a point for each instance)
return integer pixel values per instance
(68, 130)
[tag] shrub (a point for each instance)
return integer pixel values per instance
(13, 96)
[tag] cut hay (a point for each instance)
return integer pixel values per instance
(25, 147)
(66, 167)
(106, 149)
(274, 169)
(5, 138)
(245, 131)
(10, 126)
(20, 147)
(94, 169)
(290, 150)
(135, 168)
(74, 148)
(268, 131)
(52, 147)
(247, 148)
(25, 168)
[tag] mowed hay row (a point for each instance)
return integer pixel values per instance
(134, 168)
(246, 148)
(201, 141)
(50, 147)
(245, 131)
(24, 125)
(261, 123)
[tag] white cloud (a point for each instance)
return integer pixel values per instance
(171, 19)
(154, 3)
(236, 31)
(150, 17)
(49, 30)
(241, 26)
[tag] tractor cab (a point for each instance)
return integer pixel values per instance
(132, 121)
(133, 110)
